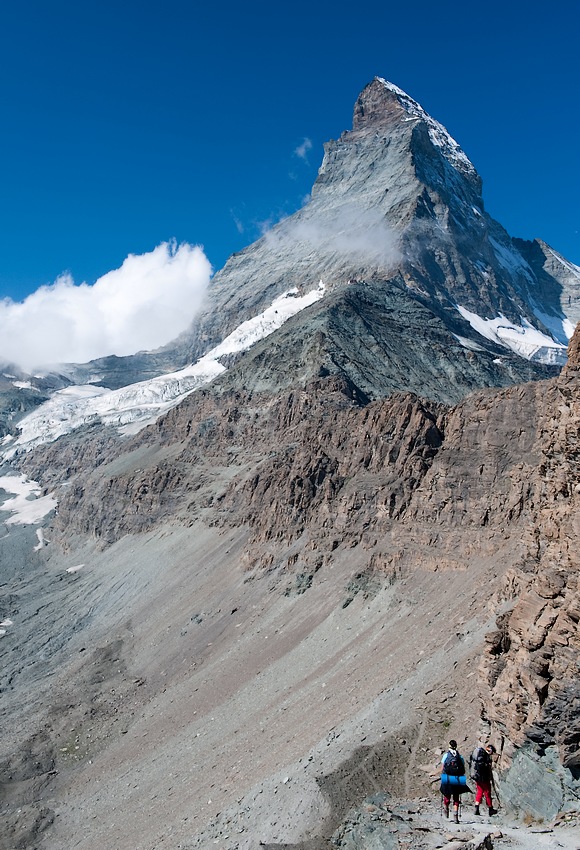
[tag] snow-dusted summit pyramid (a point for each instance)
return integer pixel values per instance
(418, 288)
(397, 211)
(396, 217)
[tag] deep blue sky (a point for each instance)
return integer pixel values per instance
(126, 123)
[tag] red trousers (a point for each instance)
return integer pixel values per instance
(483, 789)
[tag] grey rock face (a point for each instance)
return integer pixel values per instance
(557, 278)
(21, 393)
(382, 341)
(397, 206)
(538, 785)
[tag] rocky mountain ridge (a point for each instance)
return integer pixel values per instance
(396, 195)
(385, 493)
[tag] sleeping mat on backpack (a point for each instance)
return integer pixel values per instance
(453, 784)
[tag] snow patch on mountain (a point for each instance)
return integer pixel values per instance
(137, 405)
(560, 327)
(27, 506)
(511, 260)
(468, 343)
(525, 340)
(575, 270)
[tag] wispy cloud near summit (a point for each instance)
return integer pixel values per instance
(142, 305)
(357, 234)
(302, 150)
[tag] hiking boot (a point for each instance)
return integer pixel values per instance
(492, 811)
(446, 810)
(476, 810)
(456, 816)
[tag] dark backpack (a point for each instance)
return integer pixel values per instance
(480, 763)
(453, 764)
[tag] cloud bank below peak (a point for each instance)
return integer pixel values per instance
(142, 305)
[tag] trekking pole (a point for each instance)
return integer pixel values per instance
(494, 786)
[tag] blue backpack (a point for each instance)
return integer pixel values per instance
(453, 764)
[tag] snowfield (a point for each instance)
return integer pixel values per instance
(525, 340)
(27, 506)
(133, 407)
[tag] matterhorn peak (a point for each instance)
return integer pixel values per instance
(394, 241)
(382, 105)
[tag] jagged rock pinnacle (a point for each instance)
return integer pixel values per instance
(377, 106)
(573, 364)
(382, 105)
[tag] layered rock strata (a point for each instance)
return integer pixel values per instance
(406, 480)
(532, 662)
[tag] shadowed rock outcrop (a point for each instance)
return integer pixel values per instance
(532, 663)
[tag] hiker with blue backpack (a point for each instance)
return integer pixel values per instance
(453, 781)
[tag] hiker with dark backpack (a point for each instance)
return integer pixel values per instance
(453, 782)
(481, 765)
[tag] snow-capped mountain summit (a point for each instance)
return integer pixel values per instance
(423, 290)
(397, 209)
(376, 108)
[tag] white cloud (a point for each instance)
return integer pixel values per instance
(265, 226)
(142, 305)
(351, 231)
(238, 222)
(302, 150)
